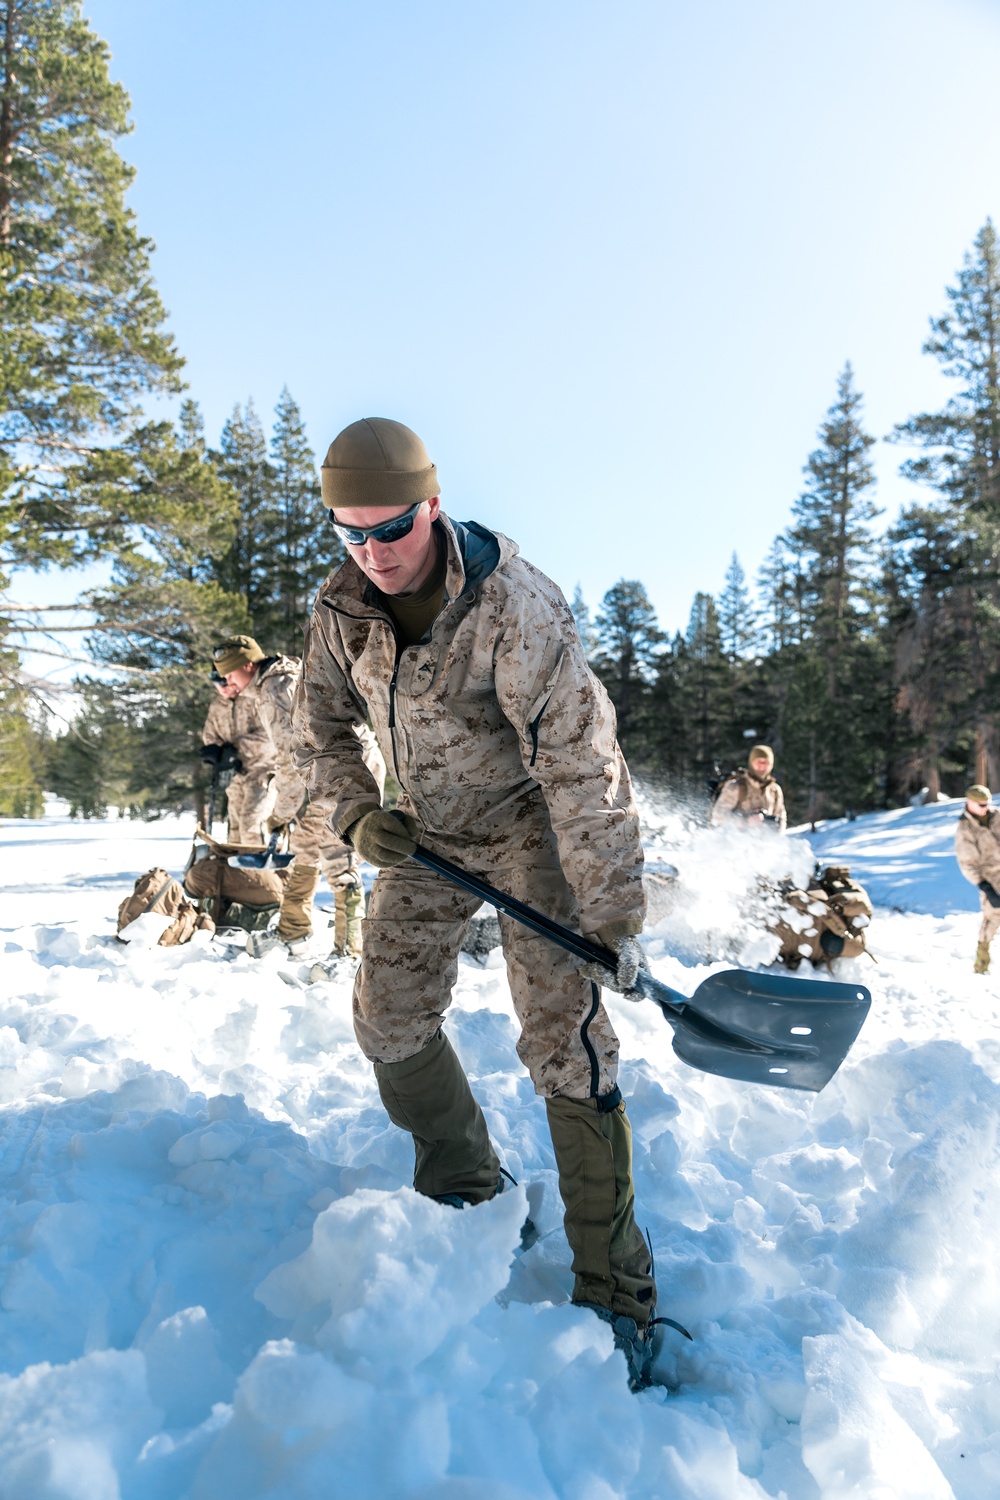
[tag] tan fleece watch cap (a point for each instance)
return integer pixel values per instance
(377, 462)
(978, 794)
(238, 651)
(762, 750)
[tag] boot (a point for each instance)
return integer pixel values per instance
(349, 909)
(982, 964)
(261, 943)
(429, 1096)
(295, 919)
(612, 1266)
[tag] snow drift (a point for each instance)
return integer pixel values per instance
(215, 1278)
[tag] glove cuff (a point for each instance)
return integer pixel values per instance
(346, 831)
(622, 928)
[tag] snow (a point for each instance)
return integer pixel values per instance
(216, 1280)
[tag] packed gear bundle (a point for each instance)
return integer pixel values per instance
(828, 920)
(161, 894)
(233, 895)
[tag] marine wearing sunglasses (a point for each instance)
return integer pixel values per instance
(399, 554)
(387, 532)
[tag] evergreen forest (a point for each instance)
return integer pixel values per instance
(865, 655)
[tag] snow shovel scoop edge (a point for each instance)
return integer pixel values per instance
(773, 1029)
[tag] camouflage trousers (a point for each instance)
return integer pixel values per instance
(249, 802)
(412, 937)
(990, 922)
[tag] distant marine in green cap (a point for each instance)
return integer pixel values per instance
(238, 651)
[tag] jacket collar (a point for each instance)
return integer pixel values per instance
(977, 822)
(473, 554)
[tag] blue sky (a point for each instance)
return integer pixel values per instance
(606, 258)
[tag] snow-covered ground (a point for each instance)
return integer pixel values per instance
(216, 1282)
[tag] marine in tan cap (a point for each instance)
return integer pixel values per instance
(266, 685)
(977, 849)
(751, 795)
(468, 662)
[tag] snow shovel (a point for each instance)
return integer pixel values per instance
(760, 1028)
(266, 859)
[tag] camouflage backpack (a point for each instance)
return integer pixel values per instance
(828, 920)
(159, 892)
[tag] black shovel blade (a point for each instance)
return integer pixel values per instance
(788, 1032)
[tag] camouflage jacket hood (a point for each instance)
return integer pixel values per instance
(493, 717)
(977, 848)
(236, 721)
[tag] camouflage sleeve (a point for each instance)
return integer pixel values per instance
(566, 729)
(216, 730)
(372, 755)
(779, 808)
(726, 805)
(275, 704)
(968, 856)
(326, 715)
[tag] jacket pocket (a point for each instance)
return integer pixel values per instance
(536, 713)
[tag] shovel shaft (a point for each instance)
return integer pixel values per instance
(573, 942)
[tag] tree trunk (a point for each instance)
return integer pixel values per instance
(7, 124)
(932, 778)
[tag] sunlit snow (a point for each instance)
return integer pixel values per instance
(216, 1281)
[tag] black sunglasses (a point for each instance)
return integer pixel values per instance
(387, 531)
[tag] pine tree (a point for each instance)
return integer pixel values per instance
(958, 611)
(81, 333)
(832, 528)
(737, 617)
(818, 584)
(584, 624)
(706, 687)
(155, 626)
(242, 463)
(300, 546)
(628, 643)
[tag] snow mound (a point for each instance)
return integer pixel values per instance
(216, 1279)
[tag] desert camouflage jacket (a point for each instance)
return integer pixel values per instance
(492, 720)
(741, 795)
(977, 847)
(236, 721)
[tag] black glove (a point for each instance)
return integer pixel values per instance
(210, 754)
(229, 759)
(989, 892)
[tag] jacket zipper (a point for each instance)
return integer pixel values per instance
(392, 708)
(533, 728)
(378, 615)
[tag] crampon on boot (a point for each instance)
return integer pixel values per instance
(637, 1344)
